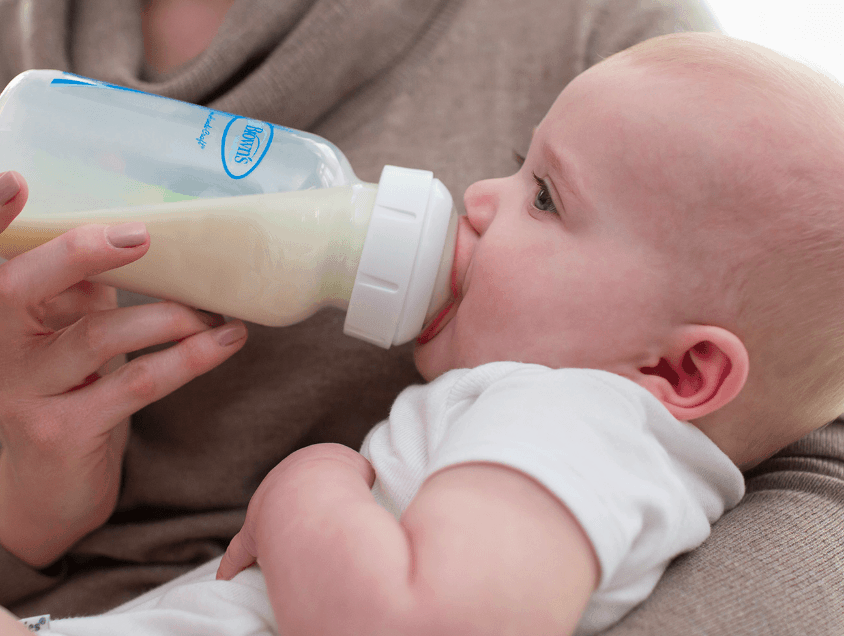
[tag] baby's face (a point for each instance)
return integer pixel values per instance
(560, 264)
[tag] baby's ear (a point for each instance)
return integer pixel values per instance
(701, 370)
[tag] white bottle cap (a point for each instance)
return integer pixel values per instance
(401, 255)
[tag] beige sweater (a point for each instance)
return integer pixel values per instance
(454, 86)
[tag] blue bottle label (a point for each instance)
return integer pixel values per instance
(244, 146)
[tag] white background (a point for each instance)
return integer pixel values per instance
(809, 30)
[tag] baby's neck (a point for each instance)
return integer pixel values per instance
(749, 437)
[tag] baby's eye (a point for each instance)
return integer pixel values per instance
(543, 199)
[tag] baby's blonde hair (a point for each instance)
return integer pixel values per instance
(774, 224)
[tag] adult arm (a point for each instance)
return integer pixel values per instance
(482, 549)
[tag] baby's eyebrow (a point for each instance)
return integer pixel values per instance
(560, 170)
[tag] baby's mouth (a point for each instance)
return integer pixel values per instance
(449, 309)
(438, 322)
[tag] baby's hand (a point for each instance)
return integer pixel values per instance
(267, 515)
(63, 416)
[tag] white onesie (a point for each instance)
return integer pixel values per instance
(644, 486)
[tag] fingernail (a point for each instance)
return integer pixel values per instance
(127, 234)
(230, 333)
(9, 187)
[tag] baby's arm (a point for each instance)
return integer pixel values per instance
(482, 549)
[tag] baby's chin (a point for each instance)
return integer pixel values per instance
(426, 363)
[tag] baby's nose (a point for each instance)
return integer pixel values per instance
(481, 201)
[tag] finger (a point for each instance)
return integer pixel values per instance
(13, 195)
(109, 367)
(213, 319)
(236, 559)
(75, 302)
(47, 270)
(80, 349)
(152, 376)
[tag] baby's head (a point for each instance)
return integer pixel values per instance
(678, 220)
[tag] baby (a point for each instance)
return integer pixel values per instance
(650, 305)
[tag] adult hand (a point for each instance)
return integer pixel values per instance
(64, 408)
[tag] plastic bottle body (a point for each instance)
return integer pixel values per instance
(84, 145)
(247, 218)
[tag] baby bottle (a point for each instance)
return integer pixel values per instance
(246, 218)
